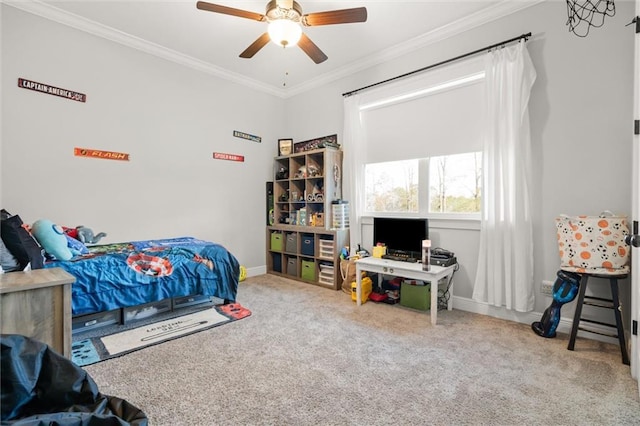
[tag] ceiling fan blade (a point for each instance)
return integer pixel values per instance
(343, 16)
(285, 4)
(311, 49)
(203, 5)
(255, 46)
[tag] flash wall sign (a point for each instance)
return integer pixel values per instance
(103, 155)
(51, 90)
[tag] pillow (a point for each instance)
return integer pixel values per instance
(52, 239)
(20, 243)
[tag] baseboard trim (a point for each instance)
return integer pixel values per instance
(564, 326)
(258, 270)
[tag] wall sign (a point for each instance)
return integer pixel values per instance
(230, 157)
(51, 90)
(247, 136)
(104, 155)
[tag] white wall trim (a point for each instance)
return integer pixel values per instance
(499, 10)
(45, 10)
(258, 270)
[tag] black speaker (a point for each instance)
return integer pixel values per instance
(270, 213)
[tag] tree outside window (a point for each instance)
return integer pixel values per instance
(453, 185)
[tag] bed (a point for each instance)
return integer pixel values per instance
(119, 282)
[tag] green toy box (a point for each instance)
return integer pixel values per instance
(415, 296)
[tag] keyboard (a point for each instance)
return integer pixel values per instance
(400, 258)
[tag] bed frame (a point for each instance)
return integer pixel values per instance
(128, 315)
(121, 283)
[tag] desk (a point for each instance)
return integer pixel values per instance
(406, 270)
(37, 304)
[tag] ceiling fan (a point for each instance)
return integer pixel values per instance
(285, 19)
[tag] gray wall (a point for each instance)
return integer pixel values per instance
(581, 123)
(169, 118)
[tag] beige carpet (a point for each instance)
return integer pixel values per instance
(309, 356)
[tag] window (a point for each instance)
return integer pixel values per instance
(392, 186)
(442, 184)
(455, 183)
(417, 146)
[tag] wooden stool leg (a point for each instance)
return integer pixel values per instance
(619, 325)
(578, 313)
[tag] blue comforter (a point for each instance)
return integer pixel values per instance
(128, 274)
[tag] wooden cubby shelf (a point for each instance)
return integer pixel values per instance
(301, 243)
(308, 254)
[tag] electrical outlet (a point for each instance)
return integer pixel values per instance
(546, 287)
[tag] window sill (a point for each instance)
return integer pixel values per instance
(441, 221)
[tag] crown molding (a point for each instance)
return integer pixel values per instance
(47, 11)
(497, 11)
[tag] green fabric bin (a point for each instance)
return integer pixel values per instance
(276, 241)
(415, 296)
(308, 270)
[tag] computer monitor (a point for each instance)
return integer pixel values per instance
(402, 236)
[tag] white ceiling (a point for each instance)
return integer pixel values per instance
(211, 42)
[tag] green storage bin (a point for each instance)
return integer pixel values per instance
(415, 296)
(276, 241)
(308, 270)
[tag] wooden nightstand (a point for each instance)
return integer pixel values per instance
(37, 304)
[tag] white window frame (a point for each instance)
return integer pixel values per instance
(424, 197)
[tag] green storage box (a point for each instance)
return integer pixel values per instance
(308, 270)
(276, 241)
(415, 296)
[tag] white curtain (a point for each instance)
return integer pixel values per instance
(354, 154)
(505, 262)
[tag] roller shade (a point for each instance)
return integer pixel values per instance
(446, 118)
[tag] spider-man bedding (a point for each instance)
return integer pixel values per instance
(134, 273)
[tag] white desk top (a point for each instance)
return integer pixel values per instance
(398, 265)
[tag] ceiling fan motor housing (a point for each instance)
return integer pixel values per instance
(275, 12)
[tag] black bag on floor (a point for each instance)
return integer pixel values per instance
(41, 387)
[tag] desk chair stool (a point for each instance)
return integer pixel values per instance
(613, 303)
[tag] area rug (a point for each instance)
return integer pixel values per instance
(96, 349)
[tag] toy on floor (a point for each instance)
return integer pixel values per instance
(565, 290)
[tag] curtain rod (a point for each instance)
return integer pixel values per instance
(502, 43)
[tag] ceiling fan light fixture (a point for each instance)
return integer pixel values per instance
(284, 32)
